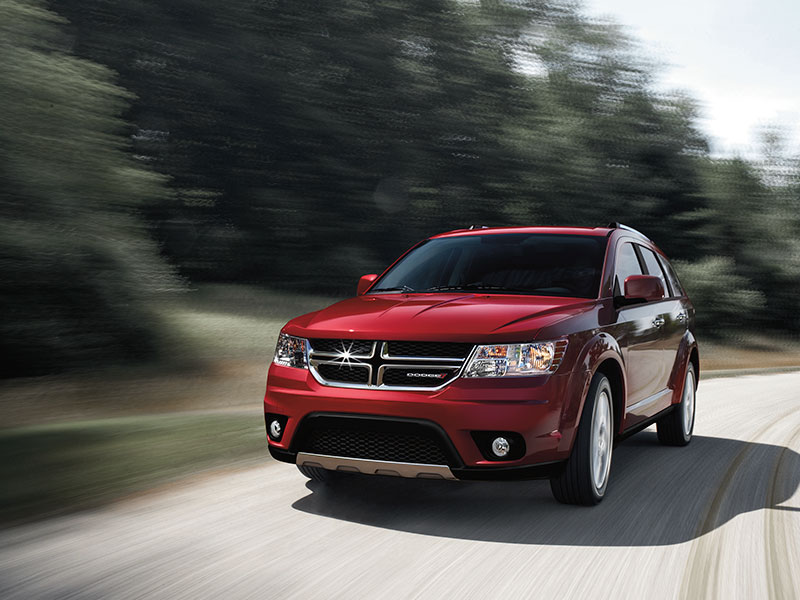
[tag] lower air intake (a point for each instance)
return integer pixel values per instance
(374, 439)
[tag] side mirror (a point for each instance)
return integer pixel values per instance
(365, 282)
(643, 288)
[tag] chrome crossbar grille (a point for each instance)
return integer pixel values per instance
(386, 365)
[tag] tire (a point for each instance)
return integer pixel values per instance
(584, 479)
(675, 428)
(319, 474)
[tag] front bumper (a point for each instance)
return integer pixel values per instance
(418, 471)
(530, 406)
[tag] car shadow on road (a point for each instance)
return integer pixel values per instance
(659, 495)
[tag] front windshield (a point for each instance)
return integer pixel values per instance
(505, 263)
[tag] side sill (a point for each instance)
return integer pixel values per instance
(644, 424)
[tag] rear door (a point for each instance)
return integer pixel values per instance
(681, 311)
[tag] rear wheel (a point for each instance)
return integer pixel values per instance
(319, 474)
(675, 429)
(584, 479)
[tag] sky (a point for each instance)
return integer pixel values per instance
(738, 58)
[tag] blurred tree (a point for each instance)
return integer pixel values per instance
(306, 142)
(279, 121)
(725, 296)
(77, 263)
(748, 221)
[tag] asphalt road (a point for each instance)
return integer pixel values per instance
(717, 519)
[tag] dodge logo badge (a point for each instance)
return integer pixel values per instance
(433, 375)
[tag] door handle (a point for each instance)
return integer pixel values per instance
(682, 317)
(658, 322)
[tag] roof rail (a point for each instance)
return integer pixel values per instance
(616, 225)
(471, 227)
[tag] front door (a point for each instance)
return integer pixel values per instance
(672, 311)
(641, 335)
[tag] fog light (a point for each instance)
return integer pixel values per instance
(275, 430)
(500, 446)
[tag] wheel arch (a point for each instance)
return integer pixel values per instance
(694, 357)
(687, 353)
(612, 369)
(602, 354)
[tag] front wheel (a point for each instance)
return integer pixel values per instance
(675, 429)
(584, 479)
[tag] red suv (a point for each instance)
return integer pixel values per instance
(491, 353)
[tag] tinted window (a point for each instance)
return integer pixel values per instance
(518, 263)
(654, 267)
(677, 289)
(627, 265)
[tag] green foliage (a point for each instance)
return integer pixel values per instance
(748, 221)
(283, 124)
(725, 301)
(301, 143)
(77, 264)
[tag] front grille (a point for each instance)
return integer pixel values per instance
(353, 347)
(413, 376)
(386, 364)
(374, 439)
(428, 349)
(344, 373)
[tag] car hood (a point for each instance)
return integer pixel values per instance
(437, 317)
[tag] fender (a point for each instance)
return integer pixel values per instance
(678, 375)
(593, 353)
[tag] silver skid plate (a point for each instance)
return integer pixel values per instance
(374, 467)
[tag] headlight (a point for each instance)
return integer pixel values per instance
(510, 360)
(291, 352)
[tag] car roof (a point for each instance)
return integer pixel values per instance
(594, 231)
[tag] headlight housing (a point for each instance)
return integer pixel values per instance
(516, 360)
(291, 352)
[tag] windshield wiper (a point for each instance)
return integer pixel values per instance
(401, 288)
(476, 286)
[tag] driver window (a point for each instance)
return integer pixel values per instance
(653, 268)
(627, 265)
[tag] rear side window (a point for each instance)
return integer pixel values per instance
(654, 267)
(677, 289)
(627, 265)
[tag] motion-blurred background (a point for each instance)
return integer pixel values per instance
(178, 178)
